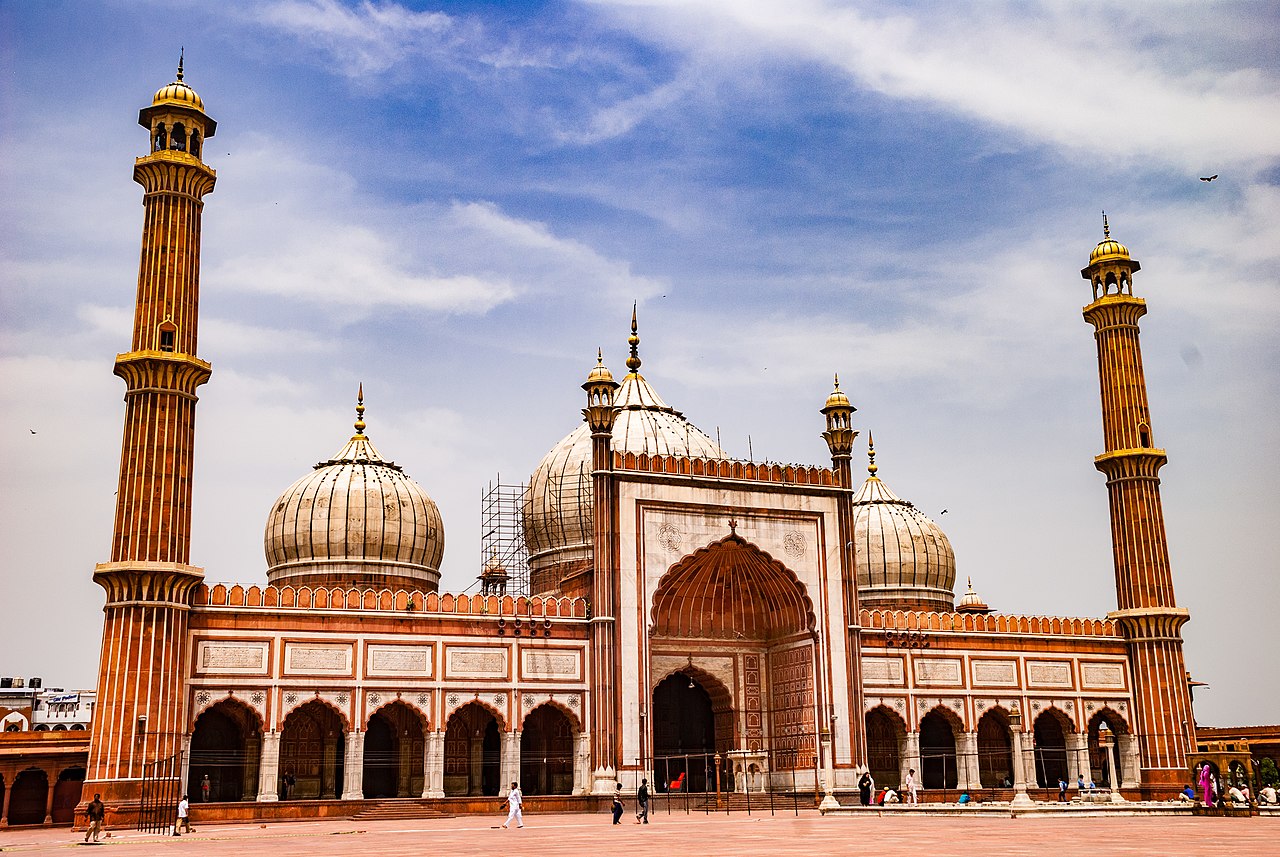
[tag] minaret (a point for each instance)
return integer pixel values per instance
(606, 693)
(140, 715)
(840, 436)
(1148, 614)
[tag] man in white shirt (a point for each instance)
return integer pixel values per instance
(1267, 795)
(912, 786)
(514, 801)
(184, 823)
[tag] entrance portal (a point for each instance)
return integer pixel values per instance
(684, 732)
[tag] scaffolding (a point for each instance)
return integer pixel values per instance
(502, 534)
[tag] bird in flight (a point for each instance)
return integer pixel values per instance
(1208, 178)
(943, 512)
(33, 431)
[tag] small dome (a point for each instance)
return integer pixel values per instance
(355, 519)
(557, 506)
(970, 602)
(904, 560)
(1108, 248)
(599, 372)
(178, 93)
(837, 399)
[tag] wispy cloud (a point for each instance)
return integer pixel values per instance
(368, 38)
(1084, 77)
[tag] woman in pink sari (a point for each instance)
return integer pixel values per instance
(1206, 784)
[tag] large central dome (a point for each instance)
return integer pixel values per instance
(557, 507)
(355, 520)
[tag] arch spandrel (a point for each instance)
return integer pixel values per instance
(291, 702)
(455, 702)
(203, 700)
(546, 700)
(730, 589)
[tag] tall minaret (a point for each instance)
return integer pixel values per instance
(140, 715)
(1148, 615)
(606, 693)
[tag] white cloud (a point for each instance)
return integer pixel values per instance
(367, 39)
(1073, 77)
(309, 233)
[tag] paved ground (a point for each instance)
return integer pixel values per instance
(696, 836)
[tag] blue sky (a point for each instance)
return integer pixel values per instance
(457, 203)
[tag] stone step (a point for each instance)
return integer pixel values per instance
(400, 809)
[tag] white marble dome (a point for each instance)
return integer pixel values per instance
(356, 519)
(904, 560)
(557, 507)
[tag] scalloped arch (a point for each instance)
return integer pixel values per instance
(730, 588)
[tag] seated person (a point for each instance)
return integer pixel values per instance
(1187, 795)
(1236, 795)
(964, 798)
(1080, 782)
(890, 796)
(1267, 796)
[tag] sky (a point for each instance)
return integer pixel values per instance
(457, 203)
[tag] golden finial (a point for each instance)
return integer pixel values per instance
(871, 454)
(360, 410)
(600, 356)
(837, 380)
(181, 54)
(1106, 227)
(633, 362)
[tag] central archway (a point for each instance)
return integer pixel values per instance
(224, 749)
(472, 752)
(393, 753)
(312, 752)
(730, 599)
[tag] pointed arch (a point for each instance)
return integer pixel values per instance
(394, 751)
(938, 759)
(1049, 732)
(886, 742)
(312, 748)
(222, 762)
(547, 739)
(731, 589)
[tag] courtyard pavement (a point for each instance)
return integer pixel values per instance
(696, 835)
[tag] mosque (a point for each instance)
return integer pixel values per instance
(707, 623)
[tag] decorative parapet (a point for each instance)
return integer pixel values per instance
(725, 468)
(386, 600)
(995, 623)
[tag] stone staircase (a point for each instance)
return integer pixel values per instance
(736, 802)
(399, 809)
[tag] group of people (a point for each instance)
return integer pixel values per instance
(886, 795)
(642, 803)
(1239, 794)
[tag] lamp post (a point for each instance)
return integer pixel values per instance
(1020, 796)
(1107, 740)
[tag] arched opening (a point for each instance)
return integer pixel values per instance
(394, 753)
(684, 731)
(224, 754)
(161, 140)
(885, 734)
(546, 752)
(195, 143)
(995, 750)
(938, 768)
(178, 139)
(1099, 762)
(1051, 750)
(730, 594)
(59, 727)
(77, 727)
(472, 752)
(312, 752)
(30, 794)
(66, 795)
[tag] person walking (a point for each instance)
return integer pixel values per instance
(1062, 789)
(642, 802)
(912, 787)
(184, 821)
(515, 801)
(866, 785)
(617, 804)
(95, 812)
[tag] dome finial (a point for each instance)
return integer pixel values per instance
(182, 51)
(837, 380)
(1106, 227)
(871, 454)
(360, 410)
(633, 362)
